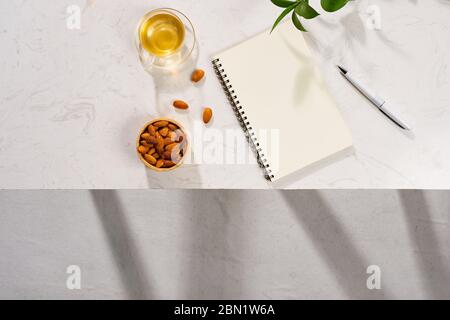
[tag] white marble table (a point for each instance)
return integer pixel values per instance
(73, 100)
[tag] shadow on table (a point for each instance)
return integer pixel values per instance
(333, 243)
(175, 84)
(131, 268)
(185, 176)
(313, 168)
(429, 253)
(218, 241)
(169, 86)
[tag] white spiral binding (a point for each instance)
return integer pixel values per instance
(242, 118)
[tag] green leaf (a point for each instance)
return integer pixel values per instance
(282, 3)
(283, 14)
(333, 5)
(297, 22)
(306, 11)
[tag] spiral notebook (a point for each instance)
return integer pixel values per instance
(281, 101)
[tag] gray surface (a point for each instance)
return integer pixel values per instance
(224, 244)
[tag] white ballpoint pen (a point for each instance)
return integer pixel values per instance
(380, 103)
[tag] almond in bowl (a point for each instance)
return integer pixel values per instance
(162, 144)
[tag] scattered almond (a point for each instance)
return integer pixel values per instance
(197, 75)
(207, 115)
(180, 104)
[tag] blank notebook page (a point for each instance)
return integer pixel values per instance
(280, 89)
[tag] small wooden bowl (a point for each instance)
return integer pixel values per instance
(152, 166)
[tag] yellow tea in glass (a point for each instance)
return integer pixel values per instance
(162, 34)
(165, 41)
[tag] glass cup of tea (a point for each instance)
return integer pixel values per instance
(165, 39)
